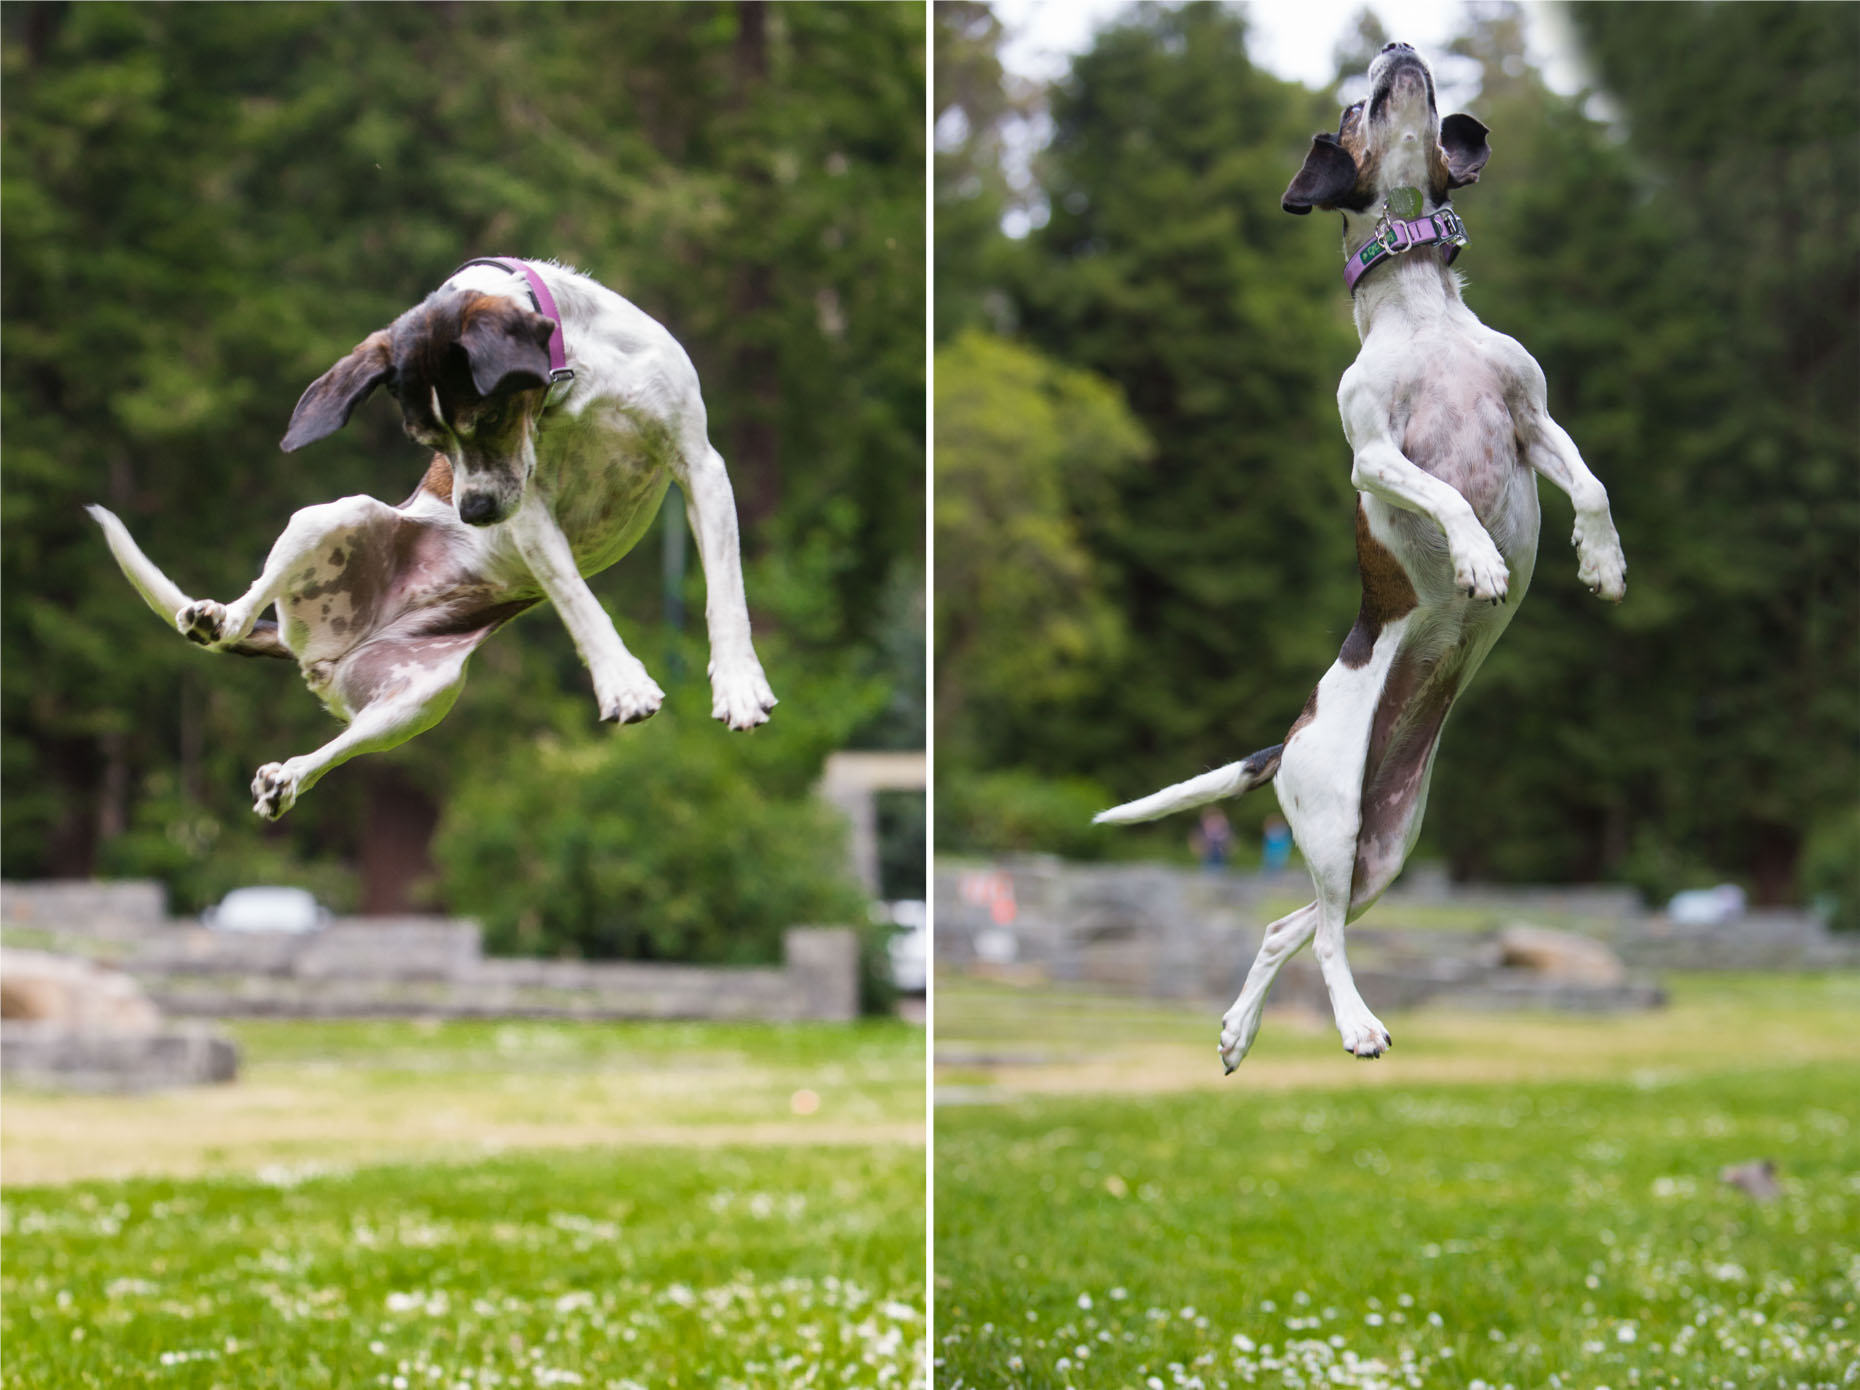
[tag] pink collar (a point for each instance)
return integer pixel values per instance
(560, 373)
(1393, 237)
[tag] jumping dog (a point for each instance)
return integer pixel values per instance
(1449, 430)
(558, 414)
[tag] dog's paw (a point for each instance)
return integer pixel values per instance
(1363, 1033)
(634, 697)
(740, 695)
(1238, 1029)
(274, 790)
(1599, 561)
(203, 621)
(1479, 571)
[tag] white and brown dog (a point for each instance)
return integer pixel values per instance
(558, 414)
(1449, 428)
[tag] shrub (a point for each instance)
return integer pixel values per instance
(670, 841)
(1830, 870)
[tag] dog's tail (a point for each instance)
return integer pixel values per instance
(1231, 780)
(164, 596)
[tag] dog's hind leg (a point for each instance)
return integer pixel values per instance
(1320, 788)
(1283, 940)
(398, 687)
(166, 598)
(319, 548)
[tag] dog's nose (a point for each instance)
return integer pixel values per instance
(1398, 47)
(476, 508)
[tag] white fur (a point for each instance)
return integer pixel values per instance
(630, 372)
(1411, 320)
(634, 412)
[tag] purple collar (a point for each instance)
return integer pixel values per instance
(561, 375)
(1393, 236)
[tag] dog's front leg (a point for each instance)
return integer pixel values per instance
(740, 694)
(622, 688)
(1380, 468)
(1550, 452)
(1599, 561)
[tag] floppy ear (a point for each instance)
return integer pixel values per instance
(332, 397)
(1327, 178)
(508, 348)
(1463, 138)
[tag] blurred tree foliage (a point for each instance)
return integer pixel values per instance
(206, 205)
(1687, 279)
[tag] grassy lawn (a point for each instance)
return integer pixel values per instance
(480, 1205)
(1515, 1200)
(369, 1092)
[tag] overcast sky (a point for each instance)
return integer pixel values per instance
(1292, 38)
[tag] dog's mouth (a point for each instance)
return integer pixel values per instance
(1399, 71)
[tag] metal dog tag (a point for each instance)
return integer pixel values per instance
(1404, 204)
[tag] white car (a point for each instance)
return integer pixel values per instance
(267, 909)
(908, 947)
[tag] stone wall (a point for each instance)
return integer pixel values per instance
(359, 967)
(1167, 932)
(117, 911)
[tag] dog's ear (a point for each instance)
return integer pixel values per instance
(1463, 139)
(332, 397)
(508, 347)
(1327, 178)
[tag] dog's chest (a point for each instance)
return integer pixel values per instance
(604, 473)
(1450, 412)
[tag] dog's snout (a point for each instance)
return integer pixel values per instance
(1398, 48)
(477, 509)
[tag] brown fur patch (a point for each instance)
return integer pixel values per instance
(1439, 176)
(1403, 734)
(1387, 593)
(438, 479)
(1305, 716)
(1353, 134)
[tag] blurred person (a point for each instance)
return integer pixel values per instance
(1212, 840)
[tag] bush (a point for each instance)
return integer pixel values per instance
(672, 841)
(1013, 811)
(1830, 871)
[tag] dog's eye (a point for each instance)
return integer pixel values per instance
(492, 418)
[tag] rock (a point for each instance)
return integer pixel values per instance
(1559, 955)
(74, 994)
(57, 1058)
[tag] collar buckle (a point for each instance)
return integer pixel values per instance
(1394, 236)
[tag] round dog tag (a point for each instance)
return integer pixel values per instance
(1404, 204)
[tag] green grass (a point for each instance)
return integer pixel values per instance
(408, 1091)
(654, 1266)
(1534, 1225)
(480, 1205)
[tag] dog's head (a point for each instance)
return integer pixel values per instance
(470, 371)
(1395, 139)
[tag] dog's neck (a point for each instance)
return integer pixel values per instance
(1415, 288)
(1408, 288)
